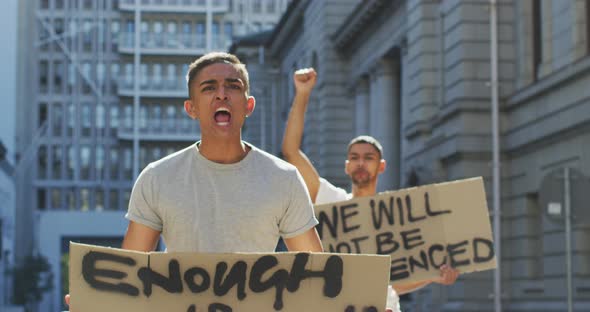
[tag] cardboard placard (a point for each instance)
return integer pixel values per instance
(108, 279)
(421, 228)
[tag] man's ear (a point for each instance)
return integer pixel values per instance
(250, 106)
(382, 165)
(191, 109)
(346, 167)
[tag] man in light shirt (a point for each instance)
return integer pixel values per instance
(363, 165)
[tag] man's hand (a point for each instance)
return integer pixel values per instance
(448, 275)
(304, 80)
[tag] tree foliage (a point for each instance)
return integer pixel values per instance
(31, 278)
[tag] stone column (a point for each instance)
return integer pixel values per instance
(384, 122)
(361, 104)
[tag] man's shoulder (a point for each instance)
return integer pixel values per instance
(273, 162)
(172, 161)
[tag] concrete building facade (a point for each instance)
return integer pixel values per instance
(416, 75)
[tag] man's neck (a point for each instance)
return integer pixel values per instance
(223, 152)
(368, 190)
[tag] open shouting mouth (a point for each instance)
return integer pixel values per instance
(222, 116)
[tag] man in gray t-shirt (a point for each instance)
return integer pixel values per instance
(201, 205)
(221, 194)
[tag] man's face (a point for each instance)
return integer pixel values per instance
(363, 164)
(219, 101)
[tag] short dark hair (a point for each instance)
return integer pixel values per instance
(367, 139)
(214, 58)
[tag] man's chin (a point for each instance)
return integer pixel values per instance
(361, 184)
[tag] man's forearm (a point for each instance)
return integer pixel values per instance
(295, 125)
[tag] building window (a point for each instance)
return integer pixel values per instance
(115, 28)
(99, 162)
(57, 162)
(43, 73)
(71, 199)
(44, 4)
(126, 197)
(86, 119)
(187, 34)
(71, 162)
(127, 164)
(71, 76)
(228, 30)
(84, 199)
(58, 76)
(114, 116)
(155, 120)
(42, 114)
(102, 31)
(100, 116)
(171, 78)
(270, 6)
(158, 34)
(129, 35)
(87, 36)
(42, 162)
(156, 153)
(71, 118)
(257, 6)
(172, 40)
(113, 200)
(114, 76)
(200, 32)
(99, 200)
(100, 73)
(537, 37)
(41, 200)
(145, 35)
(59, 4)
(58, 25)
(157, 75)
(143, 115)
(57, 119)
(143, 159)
(128, 117)
(114, 163)
(128, 75)
(87, 77)
(55, 198)
(216, 35)
(143, 72)
(171, 116)
(84, 162)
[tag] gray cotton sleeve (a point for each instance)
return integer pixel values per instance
(143, 207)
(299, 215)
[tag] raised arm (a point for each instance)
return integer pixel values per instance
(304, 80)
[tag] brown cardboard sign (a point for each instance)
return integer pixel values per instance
(108, 279)
(421, 228)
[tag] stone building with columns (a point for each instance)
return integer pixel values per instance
(416, 75)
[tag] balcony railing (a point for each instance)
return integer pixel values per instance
(160, 129)
(170, 43)
(177, 6)
(152, 87)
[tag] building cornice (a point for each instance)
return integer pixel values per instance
(288, 24)
(363, 14)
